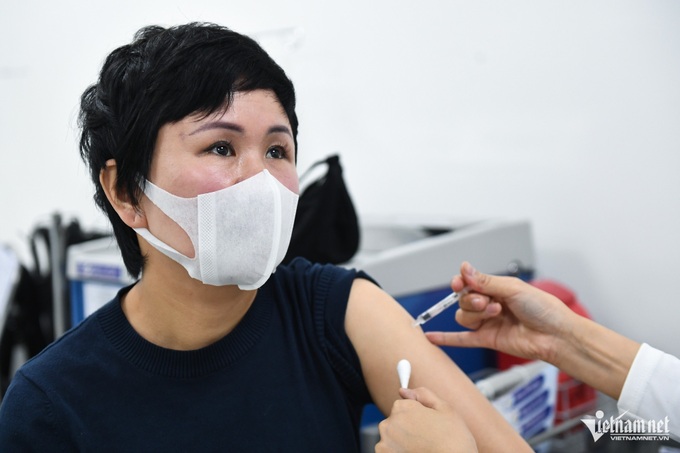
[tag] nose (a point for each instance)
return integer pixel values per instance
(249, 165)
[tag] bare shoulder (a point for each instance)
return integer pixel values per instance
(382, 333)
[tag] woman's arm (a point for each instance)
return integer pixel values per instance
(382, 334)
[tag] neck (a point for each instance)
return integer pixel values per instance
(172, 310)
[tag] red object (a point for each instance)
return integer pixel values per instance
(573, 397)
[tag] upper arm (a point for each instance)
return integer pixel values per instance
(26, 418)
(382, 333)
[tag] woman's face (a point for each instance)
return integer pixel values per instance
(197, 155)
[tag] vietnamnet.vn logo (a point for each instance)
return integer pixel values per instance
(620, 429)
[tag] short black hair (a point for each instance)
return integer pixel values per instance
(162, 76)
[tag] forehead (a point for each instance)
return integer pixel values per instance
(246, 105)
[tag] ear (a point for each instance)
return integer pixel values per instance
(131, 215)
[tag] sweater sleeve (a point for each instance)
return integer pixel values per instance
(27, 419)
(651, 390)
(330, 305)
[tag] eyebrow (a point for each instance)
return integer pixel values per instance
(236, 128)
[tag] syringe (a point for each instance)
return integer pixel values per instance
(437, 308)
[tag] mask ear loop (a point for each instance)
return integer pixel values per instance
(164, 201)
(182, 211)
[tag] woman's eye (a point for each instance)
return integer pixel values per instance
(222, 148)
(276, 152)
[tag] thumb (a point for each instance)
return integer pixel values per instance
(423, 395)
(491, 285)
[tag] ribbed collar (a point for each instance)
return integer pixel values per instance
(185, 364)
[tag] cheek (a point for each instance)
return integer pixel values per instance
(192, 183)
(291, 182)
(286, 174)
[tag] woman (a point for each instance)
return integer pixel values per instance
(190, 134)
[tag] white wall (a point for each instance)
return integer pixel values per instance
(565, 113)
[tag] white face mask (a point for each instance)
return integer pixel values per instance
(239, 233)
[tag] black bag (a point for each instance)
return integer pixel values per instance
(326, 228)
(30, 321)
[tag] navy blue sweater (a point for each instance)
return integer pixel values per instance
(285, 379)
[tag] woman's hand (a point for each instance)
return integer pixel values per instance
(508, 315)
(424, 423)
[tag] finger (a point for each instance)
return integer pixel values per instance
(456, 339)
(383, 429)
(423, 395)
(493, 309)
(474, 320)
(407, 394)
(474, 302)
(404, 406)
(494, 286)
(470, 320)
(457, 283)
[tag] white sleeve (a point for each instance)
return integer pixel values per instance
(652, 389)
